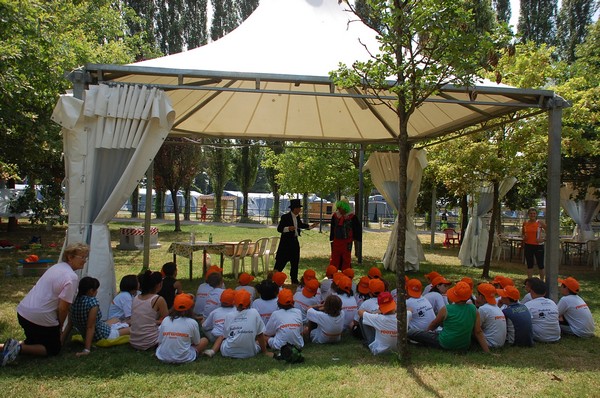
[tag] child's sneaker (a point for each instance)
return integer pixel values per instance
(11, 350)
(209, 353)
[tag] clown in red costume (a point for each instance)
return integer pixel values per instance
(345, 229)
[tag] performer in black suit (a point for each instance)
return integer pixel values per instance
(290, 226)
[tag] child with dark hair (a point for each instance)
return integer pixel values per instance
(326, 321)
(267, 303)
(544, 313)
(213, 300)
(244, 283)
(120, 307)
(179, 335)
(285, 324)
(86, 317)
(171, 286)
(204, 289)
(574, 314)
(147, 312)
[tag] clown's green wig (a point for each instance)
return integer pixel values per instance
(343, 205)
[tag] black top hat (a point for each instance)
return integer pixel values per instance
(295, 203)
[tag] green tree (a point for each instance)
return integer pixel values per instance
(425, 44)
(245, 164)
(503, 11)
(537, 21)
(246, 7)
(39, 42)
(573, 20)
(225, 18)
(269, 162)
(175, 166)
(219, 170)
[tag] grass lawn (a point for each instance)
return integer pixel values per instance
(565, 369)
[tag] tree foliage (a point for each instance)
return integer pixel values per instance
(537, 21)
(573, 20)
(423, 45)
(245, 163)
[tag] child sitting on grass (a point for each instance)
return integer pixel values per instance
(120, 307)
(285, 325)
(267, 303)
(326, 321)
(86, 317)
(213, 324)
(179, 335)
(244, 283)
(171, 286)
(243, 330)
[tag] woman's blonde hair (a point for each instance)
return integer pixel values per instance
(74, 249)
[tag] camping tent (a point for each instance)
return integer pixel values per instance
(268, 79)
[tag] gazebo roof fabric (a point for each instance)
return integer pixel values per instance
(269, 79)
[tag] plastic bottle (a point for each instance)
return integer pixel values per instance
(209, 238)
(192, 238)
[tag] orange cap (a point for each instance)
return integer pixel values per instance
(431, 276)
(308, 275)
(311, 288)
(363, 285)
(330, 271)
(279, 278)
(468, 281)
(183, 302)
(386, 302)
(510, 292)
(488, 291)
(227, 297)
(32, 258)
(212, 269)
(242, 297)
(337, 277)
(376, 286)
(345, 284)
(285, 297)
(374, 272)
(245, 278)
(571, 284)
(414, 288)
(461, 292)
(349, 272)
(440, 280)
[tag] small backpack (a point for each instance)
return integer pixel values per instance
(290, 353)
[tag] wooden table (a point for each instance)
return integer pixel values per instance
(573, 247)
(187, 249)
(514, 241)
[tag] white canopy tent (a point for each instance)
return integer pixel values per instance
(269, 79)
(476, 236)
(384, 174)
(581, 211)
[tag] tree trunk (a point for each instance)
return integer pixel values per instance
(176, 209)
(403, 149)
(135, 202)
(159, 204)
(464, 216)
(12, 221)
(188, 203)
(492, 232)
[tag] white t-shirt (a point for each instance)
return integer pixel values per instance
(213, 301)
(493, 325)
(285, 326)
(40, 305)
(577, 313)
(349, 307)
(369, 305)
(329, 329)
(526, 298)
(240, 331)
(544, 319)
(265, 308)
(120, 307)
(386, 331)
(303, 303)
(216, 319)
(175, 339)
(249, 289)
(326, 288)
(437, 300)
(422, 313)
(201, 297)
(427, 289)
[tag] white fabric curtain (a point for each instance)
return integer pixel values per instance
(110, 139)
(476, 236)
(384, 174)
(581, 211)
